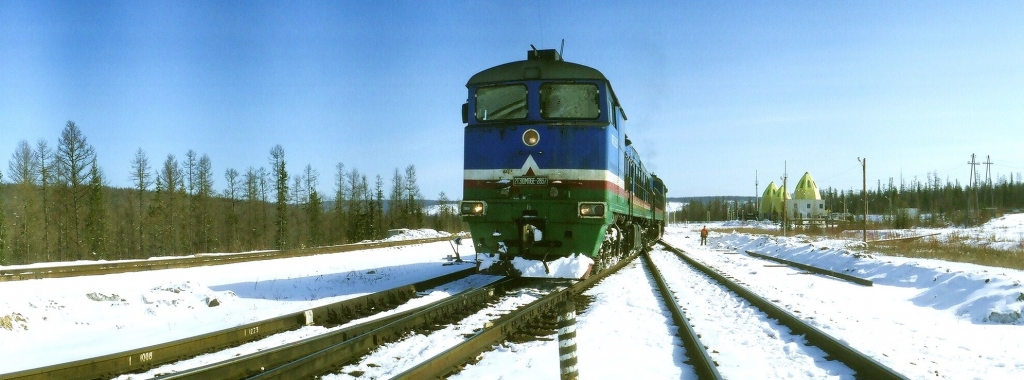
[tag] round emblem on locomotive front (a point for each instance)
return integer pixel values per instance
(531, 137)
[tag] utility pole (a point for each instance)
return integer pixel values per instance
(973, 184)
(757, 201)
(785, 209)
(988, 181)
(864, 193)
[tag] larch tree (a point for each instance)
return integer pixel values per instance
(338, 221)
(251, 179)
(72, 161)
(414, 201)
(202, 216)
(44, 159)
(24, 174)
(232, 193)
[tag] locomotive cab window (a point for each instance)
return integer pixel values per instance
(569, 101)
(501, 102)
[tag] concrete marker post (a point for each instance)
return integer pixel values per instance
(567, 340)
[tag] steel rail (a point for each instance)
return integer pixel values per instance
(151, 356)
(865, 366)
(809, 268)
(698, 355)
(303, 358)
(125, 266)
(500, 329)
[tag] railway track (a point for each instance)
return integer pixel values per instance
(539, 312)
(125, 266)
(864, 367)
(319, 356)
(148, 357)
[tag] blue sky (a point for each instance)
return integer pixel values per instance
(714, 92)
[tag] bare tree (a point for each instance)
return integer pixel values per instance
(232, 193)
(23, 167)
(202, 219)
(254, 206)
(44, 159)
(338, 221)
(414, 201)
(24, 174)
(72, 161)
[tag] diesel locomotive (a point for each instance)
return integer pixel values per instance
(550, 172)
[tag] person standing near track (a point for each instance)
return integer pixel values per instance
(704, 236)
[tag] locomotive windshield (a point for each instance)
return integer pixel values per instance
(501, 102)
(569, 101)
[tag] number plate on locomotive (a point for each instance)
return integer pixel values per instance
(530, 181)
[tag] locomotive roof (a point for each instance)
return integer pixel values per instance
(535, 69)
(539, 65)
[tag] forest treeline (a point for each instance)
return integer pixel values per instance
(55, 205)
(935, 202)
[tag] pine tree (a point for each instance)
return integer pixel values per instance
(142, 179)
(96, 218)
(314, 207)
(396, 200)
(277, 165)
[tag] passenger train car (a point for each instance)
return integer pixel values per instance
(550, 173)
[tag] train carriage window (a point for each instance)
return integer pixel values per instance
(501, 102)
(569, 101)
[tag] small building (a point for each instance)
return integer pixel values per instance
(807, 202)
(804, 205)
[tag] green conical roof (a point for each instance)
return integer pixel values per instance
(806, 189)
(768, 198)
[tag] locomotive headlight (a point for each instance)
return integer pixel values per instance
(473, 208)
(592, 209)
(531, 137)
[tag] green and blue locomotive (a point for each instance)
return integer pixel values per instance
(550, 173)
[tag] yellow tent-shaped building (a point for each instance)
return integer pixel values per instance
(805, 203)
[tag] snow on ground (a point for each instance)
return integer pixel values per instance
(923, 318)
(64, 319)
(926, 319)
(751, 346)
